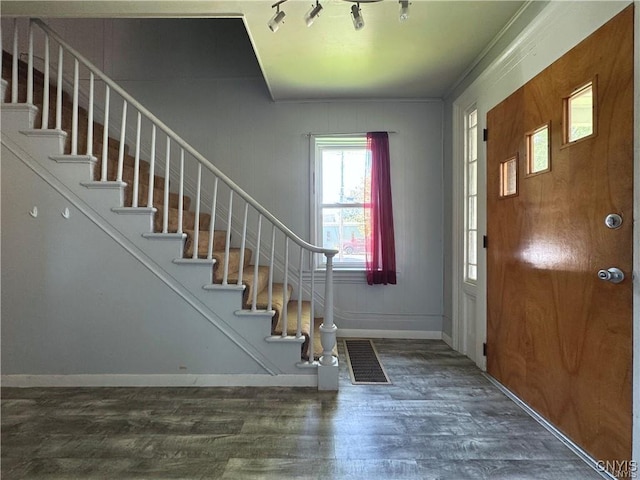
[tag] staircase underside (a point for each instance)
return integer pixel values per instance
(223, 285)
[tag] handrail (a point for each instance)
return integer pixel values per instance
(175, 137)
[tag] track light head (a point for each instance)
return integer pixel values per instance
(278, 17)
(356, 16)
(404, 10)
(311, 15)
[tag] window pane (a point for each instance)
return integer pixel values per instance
(473, 179)
(473, 118)
(508, 177)
(343, 175)
(473, 243)
(580, 106)
(343, 230)
(472, 223)
(473, 143)
(472, 272)
(538, 150)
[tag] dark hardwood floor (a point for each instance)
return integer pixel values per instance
(440, 419)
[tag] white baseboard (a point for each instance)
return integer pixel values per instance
(447, 339)
(88, 380)
(408, 334)
(584, 456)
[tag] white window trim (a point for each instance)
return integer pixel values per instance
(347, 272)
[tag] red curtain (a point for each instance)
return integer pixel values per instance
(381, 250)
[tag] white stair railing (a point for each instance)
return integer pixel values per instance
(118, 107)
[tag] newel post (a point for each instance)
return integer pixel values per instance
(328, 367)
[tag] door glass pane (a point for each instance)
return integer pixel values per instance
(580, 113)
(509, 177)
(538, 150)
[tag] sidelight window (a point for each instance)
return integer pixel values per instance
(471, 195)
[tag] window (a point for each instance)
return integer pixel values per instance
(579, 118)
(509, 177)
(341, 166)
(471, 196)
(538, 151)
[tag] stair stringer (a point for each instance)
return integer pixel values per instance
(243, 333)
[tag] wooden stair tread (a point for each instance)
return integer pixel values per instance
(248, 279)
(188, 220)
(219, 242)
(158, 196)
(277, 297)
(278, 300)
(305, 321)
(234, 262)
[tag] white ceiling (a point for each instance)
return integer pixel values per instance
(422, 57)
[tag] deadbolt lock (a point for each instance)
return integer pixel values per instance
(613, 221)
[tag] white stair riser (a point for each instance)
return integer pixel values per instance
(16, 117)
(51, 141)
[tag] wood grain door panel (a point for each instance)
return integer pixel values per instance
(557, 336)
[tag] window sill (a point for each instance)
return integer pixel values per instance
(342, 275)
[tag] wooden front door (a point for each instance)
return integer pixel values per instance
(558, 336)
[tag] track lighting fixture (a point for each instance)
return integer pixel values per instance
(278, 17)
(404, 10)
(356, 16)
(316, 8)
(311, 15)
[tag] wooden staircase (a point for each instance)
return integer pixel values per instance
(281, 295)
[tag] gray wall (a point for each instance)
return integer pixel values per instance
(201, 78)
(74, 301)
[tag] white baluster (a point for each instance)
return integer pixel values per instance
(312, 308)
(299, 325)
(328, 329)
(243, 243)
(74, 116)
(123, 131)
(285, 307)
(45, 92)
(136, 163)
(271, 260)
(30, 67)
(225, 275)
(59, 90)
(256, 263)
(196, 227)
(152, 167)
(90, 115)
(14, 64)
(105, 134)
(165, 210)
(213, 219)
(181, 191)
